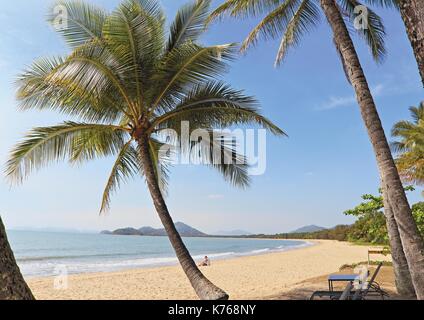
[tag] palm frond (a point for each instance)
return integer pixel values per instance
(77, 21)
(401, 128)
(94, 69)
(39, 87)
(125, 166)
(243, 8)
(99, 142)
(189, 23)
(374, 32)
(51, 144)
(417, 113)
(398, 146)
(410, 146)
(216, 105)
(220, 153)
(384, 3)
(185, 66)
(306, 17)
(290, 20)
(274, 24)
(214, 148)
(411, 167)
(152, 8)
(134, 35)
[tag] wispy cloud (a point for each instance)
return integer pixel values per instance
(215, 196)
(346, 101)
(378, 90)
(336, 102)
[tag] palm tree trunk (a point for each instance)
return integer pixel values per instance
(403, 279)
(412, 242)
(12, 283)
(412, 12)
(205, 289)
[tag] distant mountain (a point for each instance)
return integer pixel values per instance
(151, 231)
(232, 233)
(307, 229)
(183, 229)
(187, 231)
(127, 232)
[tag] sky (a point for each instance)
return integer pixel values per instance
(320, 170)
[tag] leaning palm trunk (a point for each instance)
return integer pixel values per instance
(205, 289)
(403, 279)
(411, 240)
(12, 283)
(412, 12)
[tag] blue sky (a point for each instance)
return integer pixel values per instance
(311, 177)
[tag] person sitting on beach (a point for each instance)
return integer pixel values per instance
(205, 262)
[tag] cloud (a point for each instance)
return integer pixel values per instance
(336, 102)
(346, 101)
(378, 90)
(215, 196)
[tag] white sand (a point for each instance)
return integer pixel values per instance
(252, 277)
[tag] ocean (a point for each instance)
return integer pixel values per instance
(48, 253)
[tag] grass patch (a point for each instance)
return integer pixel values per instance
(372, 263)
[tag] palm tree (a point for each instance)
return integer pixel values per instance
(294, 18)
(410, 147)
(403, 280)
(12, 283)
(126, 80)
(412, 12)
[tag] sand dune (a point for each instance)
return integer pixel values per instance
(253, 277)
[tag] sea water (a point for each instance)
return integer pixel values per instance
(43, 253)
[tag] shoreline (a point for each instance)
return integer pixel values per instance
(247, 277)
(172, 260)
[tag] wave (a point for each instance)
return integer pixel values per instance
(48, 265)
(62, 257)
(260, 250)
(298, 246)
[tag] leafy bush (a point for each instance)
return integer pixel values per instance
(418, 212)
(371, 224)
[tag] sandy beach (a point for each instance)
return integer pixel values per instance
(252, 277)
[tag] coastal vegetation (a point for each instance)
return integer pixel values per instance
(369, 228)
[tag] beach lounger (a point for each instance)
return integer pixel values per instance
(373, 288)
